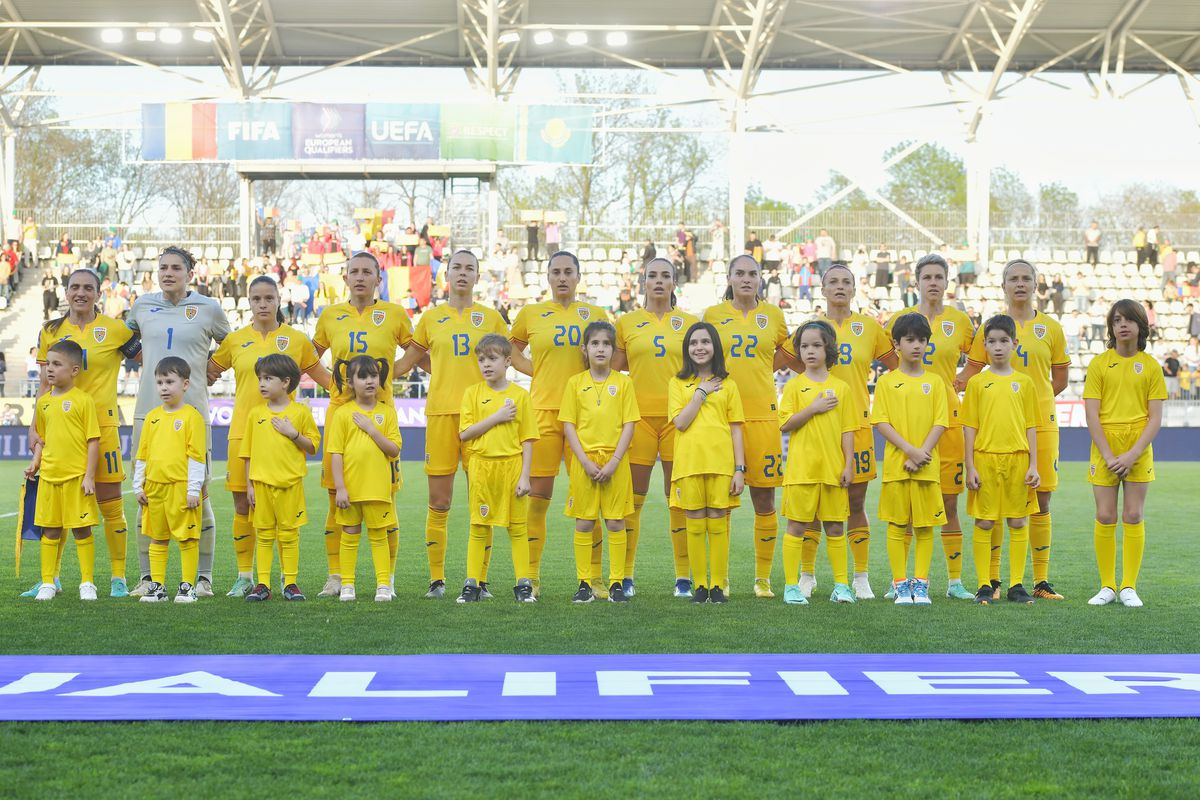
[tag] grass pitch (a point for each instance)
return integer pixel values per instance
(992, 759)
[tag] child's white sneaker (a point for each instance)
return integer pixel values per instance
(346, 595)
(87, 591)
(45, 592)
(1129, 598)
(1103, 597)
(383, 594)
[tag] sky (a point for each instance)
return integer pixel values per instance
(1042, 132)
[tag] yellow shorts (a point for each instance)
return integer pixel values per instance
(864, 455)
(815, 501)
(1002, 492)
(327, 471)
(764, 453)
(550, 448)
(443, 449)
(492, 491)
(1121, 439)
(698, 492)
(235, 474)
(167, 515)
(653, 437)
(587, 499)
(915, 502)
(110, 469)
(278, 507)
(62, 504)
(1047, 460)
(372, 513)
(951, 452)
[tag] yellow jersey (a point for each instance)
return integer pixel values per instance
(479, 402)
(599, 409)
(170, 439)
(450, 336)
(554, 334)
(952, 336)
(242, 349)
(861, 341)
(1124, 387)
(66, 422)
(104, 348)
(913, 406)
(653, 348)
(706, 447)
(376, 331)
(749, 341)
(274, 459)
(1041, 344)
(815, 449)
(1002, 409)
(366, 471)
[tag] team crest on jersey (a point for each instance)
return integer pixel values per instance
(178, 424)
(926, 388)
(612, 390)
(477, 318)
(483, 511)
(190, 313)
(584, 313)
(99, 334)
(1016, 386)
(1039, 330)
(856, 328)
(66, 406)
(761, 321)
(1137, 367)
(677, 324)
(282, 343)
(948, 329)
(379, 419)
(378, 317)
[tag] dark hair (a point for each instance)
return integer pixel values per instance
(674, 274)
(494, 342)
(1132, 310)
(914, 325)
(593, 328)
(729, 268)
(828, 336)
(51, 326)
(358, 367)
(567, 253)
(839, 265)
(931, 258)
(278, 310)
(279, 366)
(173, 364)
(718, 358)
(464, 251)
(70, 349)
(189, 260)
(368, 255)
(1003, 323)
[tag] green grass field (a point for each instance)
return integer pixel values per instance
(992, 759)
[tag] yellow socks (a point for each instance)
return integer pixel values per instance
(518, 536)
(1133, 544)
(381, 555)
(393, 540)
(808, 554)
(333, 544)
(598, 556)
(1105, 537)
(347, 556)
(860, 547)
(697, 549)
(85, 549)
(61, 541)
(981, 550)
(116, 533)
(49, 554)
(158, 561)
(618, 553)
(289, 555)
(835, 547)
(189, 557)
(766, 530)
(679, 543)
(476, 546)
(1018, 543)
(435, 542)
(924, 552)
(538, 506)
(633, 529)
(583, 556)
(487, 555)
(897, 551)
(793, 557)
(952, 542)
(264, 543)
(243, 547)
(997, 543)
(718, 535)
(1039, 540)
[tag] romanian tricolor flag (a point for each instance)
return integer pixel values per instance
(179, 131)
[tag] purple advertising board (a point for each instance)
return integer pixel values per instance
(327, 130)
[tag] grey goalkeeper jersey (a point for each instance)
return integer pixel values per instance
(187, 330)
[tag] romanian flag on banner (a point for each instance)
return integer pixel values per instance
(179, 131)
(25, 515)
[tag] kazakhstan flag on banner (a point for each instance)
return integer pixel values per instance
(555, 134)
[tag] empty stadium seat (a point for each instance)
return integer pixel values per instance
(225, 253)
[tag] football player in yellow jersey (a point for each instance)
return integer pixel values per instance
(754, 337)
(497, 423)
(241, 351)
(706, 409)
(553, 332)
(819, 415)
(363, 439)
(362, 326)
(106, 342)
(1000, 419)
(950, 337)
(861, 342)
(1042, 355)
(280, 434)
(910, 413)
(649, 346)
(168, 478)
(447, 335)
(1123, 396)
(66, 457)
(598, 413)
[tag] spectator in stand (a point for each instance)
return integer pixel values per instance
(1171, 292)
(1072, 325)
(826, 251)
(65, 245)
(1191, 353)
(680, 236)
(649, 252)
(267, 236)
(357, 241)
(3, 373)
(772, 255)
(1152, 246)
(808, 251)
(966, 269)
(805, 281)
(1193, 279)
(49, 296)
(1139, 244)
(975, 317)
(1091, 243)
(1171, 367)
(1170, 261)
(625, 300)
(1152, 319)
(754, 247)
(883, 267)
(33, 373)
(531, 239)
(125, 264)
(1098, 320)
(1058, 296)
(553, 237)
(689, 257)
(1081, 292)
(774, 286)
(1193, 321)
(29, 242)
(902, 275)
(1042, 293)
(716, 251)
(859, 265)
(6, 271)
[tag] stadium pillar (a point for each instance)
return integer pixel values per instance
(493, 216)
(979, 200)
(8, 177)
(245, 214)
(739, 176)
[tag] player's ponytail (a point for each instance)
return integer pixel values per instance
(51, 326)
(339, 374)
(358, 367)
(384, 367)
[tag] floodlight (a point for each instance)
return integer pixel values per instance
(543, 37)
(577, 38)
(170, 36)
(146, 36)
(112, 35)
(509, 37)
(202, 35)
(616, 39)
